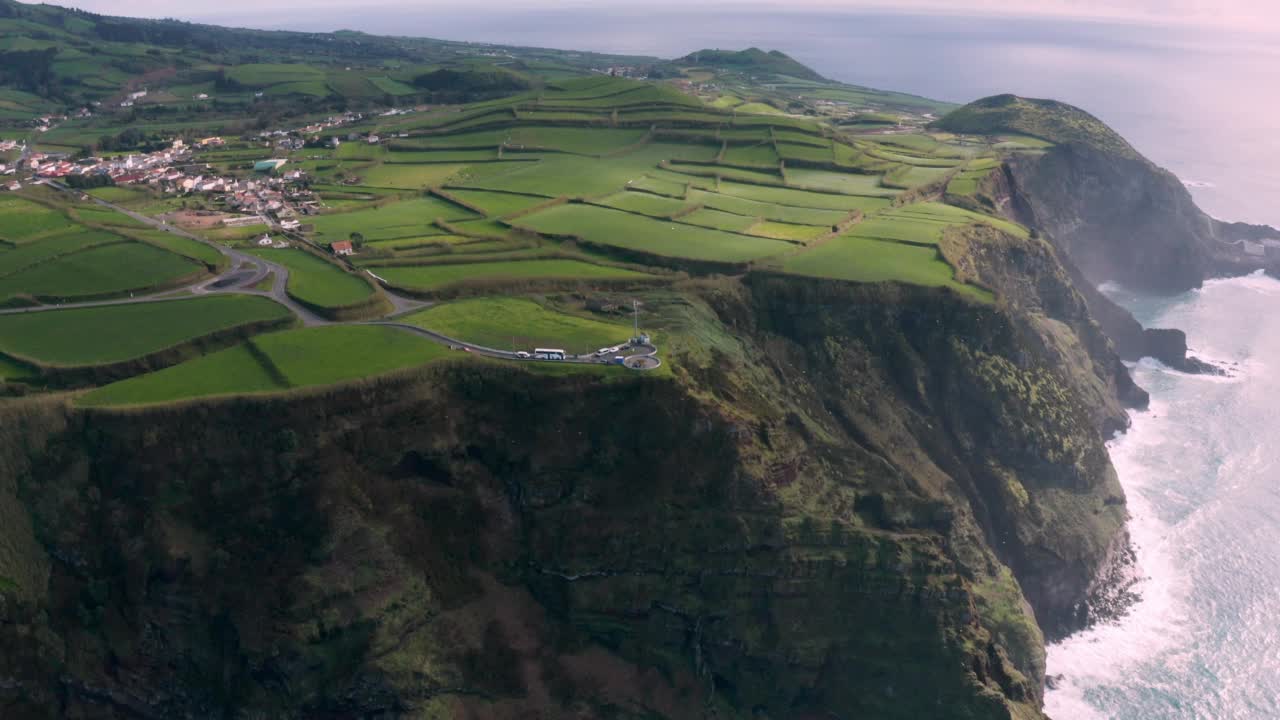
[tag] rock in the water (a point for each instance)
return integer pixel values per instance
(1169, 346)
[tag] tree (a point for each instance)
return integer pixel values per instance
(357, 240)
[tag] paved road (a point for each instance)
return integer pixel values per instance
(589, 359)
(244, 271)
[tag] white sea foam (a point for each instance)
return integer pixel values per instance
(1157, 624)
(1198, 470)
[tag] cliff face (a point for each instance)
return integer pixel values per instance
(1118, 218)
(1112, 213)
(848, 499)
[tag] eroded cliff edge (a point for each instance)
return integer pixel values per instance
(1113, 215)
(854, 499)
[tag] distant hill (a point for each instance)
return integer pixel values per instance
(751, 60)
(70, 56)
(1049, 120)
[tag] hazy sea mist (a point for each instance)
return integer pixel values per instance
(1201, 103)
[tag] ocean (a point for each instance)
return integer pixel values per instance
(1199, 469)
(1199, 102)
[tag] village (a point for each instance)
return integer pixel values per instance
(270, 195)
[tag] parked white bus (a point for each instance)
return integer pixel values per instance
(548, 354)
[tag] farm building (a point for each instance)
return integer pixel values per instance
(343, 247)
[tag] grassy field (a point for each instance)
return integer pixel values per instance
(440, 156)
(22, 220)
(910, 176)
(752, 155)
(769, 211)
(918, 231)
(113, 333)
(120, 195)
(577, 176)
(433, 277)
(838, 182)
(317, 281)
(518, 324)
(660, 186)
(107, 270)
(406, 176)
(800, 198)
(865, 260)
(497, 204)
(392, 87)
(266, 74)
(232, 371)
(758, 108)
(787, 231)
(33, 253)
(633, 232)
(719, 220)
(185, 247)
(644, 203)
(585, 141)
(805, 152)
(405, 218)
(324, 355)
(938, 212)
(277, 361)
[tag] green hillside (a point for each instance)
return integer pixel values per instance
(751, 60)
(1048, 120)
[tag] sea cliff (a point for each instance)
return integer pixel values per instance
(867, 499)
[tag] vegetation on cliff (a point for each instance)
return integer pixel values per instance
(824, 525)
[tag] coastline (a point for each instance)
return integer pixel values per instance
(1175, 465)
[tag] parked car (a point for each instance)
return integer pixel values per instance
(522, 355)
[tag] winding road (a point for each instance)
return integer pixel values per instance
(244, 271)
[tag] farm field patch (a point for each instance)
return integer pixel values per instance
(518, 324)
(100, 271)
(114, 333)
(232, 371)
(767, 210)
(408, 176)
(277, 361)
(497, 204)
(644, 203)
(583, 176)
(50, 248)
(324, 355)
(183, 246)
(431, 277)
(800, 198)
(585, 141)
(633, 232)
(405, 218)
(22, 220)
(719, 220)
(760, 155)
(865, 260)
(787, 231)
(848, 183)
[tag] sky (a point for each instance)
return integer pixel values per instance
(1246, 15)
